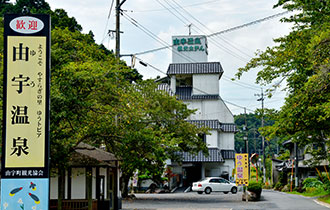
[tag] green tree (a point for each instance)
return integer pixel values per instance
(59, 17)
(94, 102)
(154, 130)
(254, 137)
(302, 59)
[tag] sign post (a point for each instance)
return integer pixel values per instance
(242, 170)
(25, 142)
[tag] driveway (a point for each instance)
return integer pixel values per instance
(218, 201)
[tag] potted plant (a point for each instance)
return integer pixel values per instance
(254, 191)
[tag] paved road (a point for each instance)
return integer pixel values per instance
(218, 201)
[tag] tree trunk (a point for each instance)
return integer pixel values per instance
(125, 180)
(89, 185)
(61, 187)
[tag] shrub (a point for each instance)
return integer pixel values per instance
(255, 187)
(282, 178)
(311, 183)
(311, 190)
(286, 188)
(278, 186)
(314, 190)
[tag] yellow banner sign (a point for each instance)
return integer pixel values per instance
(26, 98)
(242, 169)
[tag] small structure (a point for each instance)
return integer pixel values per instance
(93, 175)
(304, 170)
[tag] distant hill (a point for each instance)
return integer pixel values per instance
(254, 138)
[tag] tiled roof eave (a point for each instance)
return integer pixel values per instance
(195, 68)
(214, 157)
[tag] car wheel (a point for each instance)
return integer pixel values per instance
(200, 192)
(234, 190)
(208, 190)
(225, 192)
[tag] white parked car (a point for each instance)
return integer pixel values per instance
(214, 184)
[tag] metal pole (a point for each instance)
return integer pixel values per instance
(117, 28)
(263, 138)
(255, 140)
(246, 141)
(296, 165)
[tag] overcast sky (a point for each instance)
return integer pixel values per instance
(232, 49)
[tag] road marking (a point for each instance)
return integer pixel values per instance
(195, 209)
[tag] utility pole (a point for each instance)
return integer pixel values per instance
(255, 140)
(118, 13)
(245, 128)
(262, 125)
(296, 166)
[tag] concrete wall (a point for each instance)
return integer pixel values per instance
(210, 110)
(227, 141)
(53, 188)
(212, 169)
(205, 84)
(78, 184)
(216, 169)
(212, 140)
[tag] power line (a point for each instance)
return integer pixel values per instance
(249, 24)
(217, 44)
(190, 5)
(148, 64)
(203, 25)
(106, 25)
(242, 84)
(229, 30)
(159, 70)
(152, 35)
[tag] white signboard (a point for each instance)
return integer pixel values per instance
(189, 49)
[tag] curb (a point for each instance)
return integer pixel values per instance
(322, 203)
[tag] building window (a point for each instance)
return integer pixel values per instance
(203, 137)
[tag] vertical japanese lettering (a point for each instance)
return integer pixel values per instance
(20, 82)
(19, 115)
(20, 51)
(19, 146)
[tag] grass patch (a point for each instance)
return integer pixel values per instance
(325, 199)
(310, 194)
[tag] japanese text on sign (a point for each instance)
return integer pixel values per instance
(242, 167)
(25, 107)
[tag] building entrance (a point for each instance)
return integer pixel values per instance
(192, 174)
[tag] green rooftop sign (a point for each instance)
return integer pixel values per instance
(188, 44)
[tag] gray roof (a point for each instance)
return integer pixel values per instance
(86, 154)
(228, 153)
(216, 125)
(229, 127)
(195, 68)
(213, 124)
(214, 156)
(185, 93)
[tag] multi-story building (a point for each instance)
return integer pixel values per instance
(196, 82)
